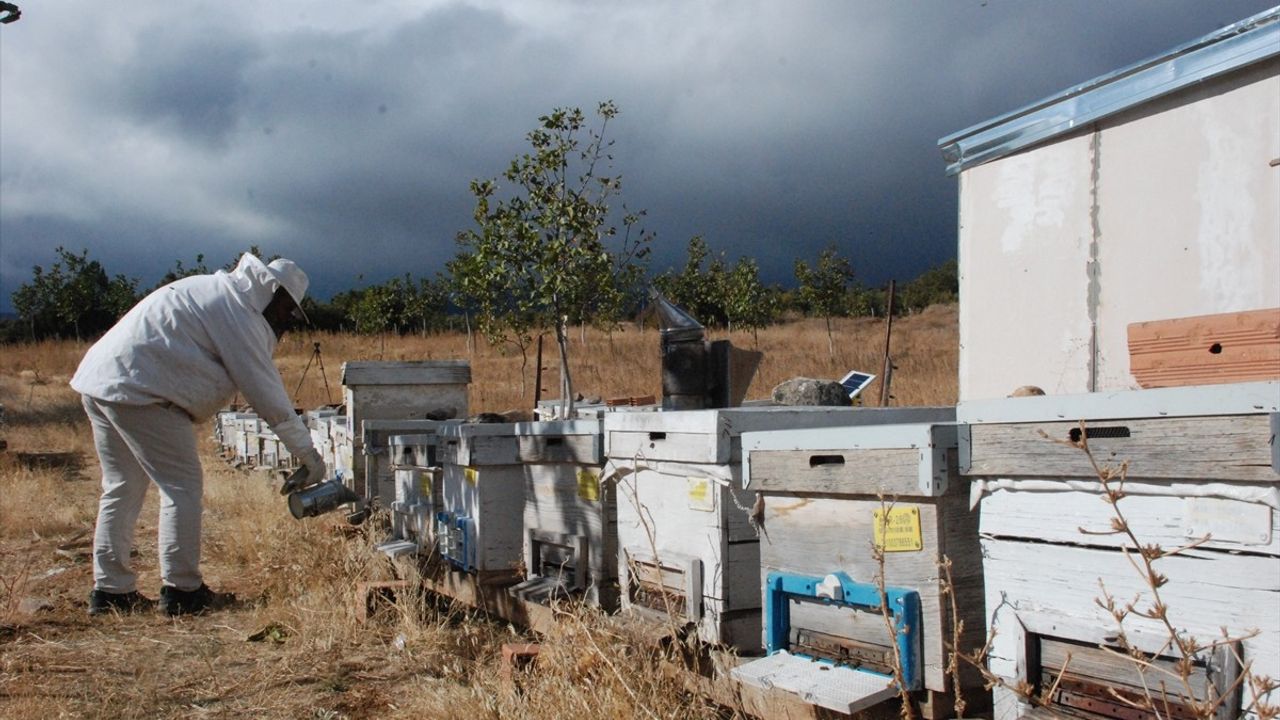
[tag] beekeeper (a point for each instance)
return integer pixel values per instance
(169, 363)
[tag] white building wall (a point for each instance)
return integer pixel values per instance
(1189, 211)
(1024, 253)
(1170, 210)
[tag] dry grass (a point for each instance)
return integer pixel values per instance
(425, 660)
(626, 364)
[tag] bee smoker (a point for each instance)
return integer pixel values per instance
(699, 374)
(316, 498)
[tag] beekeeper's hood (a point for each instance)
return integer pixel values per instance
(259, 281)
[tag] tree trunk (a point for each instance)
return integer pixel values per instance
(471, 349)
(566, 380)
(831, 340)
(524, 372)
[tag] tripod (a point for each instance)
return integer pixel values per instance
(318, 360)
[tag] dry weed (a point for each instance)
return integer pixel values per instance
(295, 579)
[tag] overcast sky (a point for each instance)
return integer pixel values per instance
(344, 135)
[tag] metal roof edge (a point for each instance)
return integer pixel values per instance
(1242, 43)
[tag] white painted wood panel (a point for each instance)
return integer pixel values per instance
(554, 503)
(494, 499)
(1170, 522)
(1052, 590)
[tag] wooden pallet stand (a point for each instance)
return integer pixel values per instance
(371, 597)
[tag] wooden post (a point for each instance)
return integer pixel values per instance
(888, 360)
(537, 382)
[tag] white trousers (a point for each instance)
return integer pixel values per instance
(138, 445)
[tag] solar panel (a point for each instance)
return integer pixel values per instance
(855, 382)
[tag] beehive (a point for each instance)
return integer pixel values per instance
(827, 497)
(478, 525)
(400, 391)
(1200, 467)
(570, 516)
(375, 446)
(415, 468)
(687, 546)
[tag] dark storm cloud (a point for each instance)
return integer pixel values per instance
(193, 81)
(348, 140)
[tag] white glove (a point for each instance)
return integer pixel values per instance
(314, 463)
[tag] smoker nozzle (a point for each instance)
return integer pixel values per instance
(676, 324)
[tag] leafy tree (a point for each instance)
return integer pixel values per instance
(73, 298)
(748, 303)
(424, 303)
(699, 291)
(179, 271)
(550, 253)
(824, 288)
(934, 286)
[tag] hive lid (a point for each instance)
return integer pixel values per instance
(842, 689)
(420, 372)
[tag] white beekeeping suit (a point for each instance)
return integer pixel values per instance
(173, 360)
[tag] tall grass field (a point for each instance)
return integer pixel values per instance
(291, 647)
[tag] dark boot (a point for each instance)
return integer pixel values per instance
(192, 602)
(101, 601)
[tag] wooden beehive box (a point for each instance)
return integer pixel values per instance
(319, 426)
(1201, 468)
(570, 516)
(414, 466)
(823, 492)
(375, 445)
(478, 527)
(686, 545)
(245, 437)
(343, 443)
(400, 391)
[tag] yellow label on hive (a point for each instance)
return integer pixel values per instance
(700, 495)
(589, 485)
(901, 532)
(471, 475)
(424, 484)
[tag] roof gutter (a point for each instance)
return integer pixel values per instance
(1234, 46)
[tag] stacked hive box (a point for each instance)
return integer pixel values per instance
(1199, 467)
(398, 391)
(827, 497)
(478, 526)
(415, 467)
(687, 545)
(570, 516)
(375, 444)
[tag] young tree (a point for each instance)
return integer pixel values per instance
(824, 288)
(424, 303)
(702, 292)
(550, 253)
(936, 285)
(749, 303)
